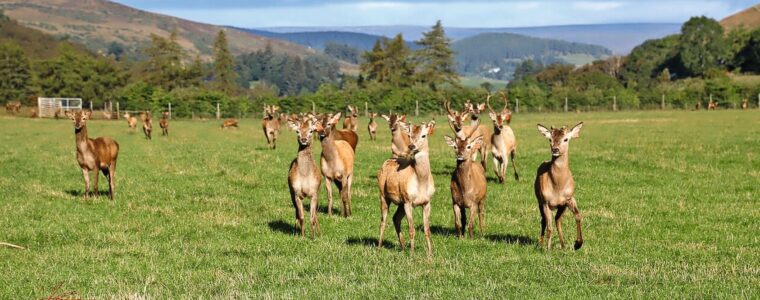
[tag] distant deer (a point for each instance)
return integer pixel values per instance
(475, 110)
(468, 184)
(555, 187)
(147, 124)
(372, 126)
(351, 121)
(304, 179)
(337, 164)
(340, 134)
(745, 103)
(408, 182)
(271, 125)
(164, 123)
(229, 123)
(462, 131)
(131, 121)
(94, 154)
(697, 106)
(503, 141)
(712, 105)
(107, 115)
(13, 107)
(399, 134)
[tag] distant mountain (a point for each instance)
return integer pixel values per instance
(496, 55)
(620, 38)
(748, 18)
(98, 23)
(318, 39)
(36, 44)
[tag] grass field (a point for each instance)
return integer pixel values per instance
(670, 201)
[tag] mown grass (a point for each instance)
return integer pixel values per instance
(669, 199)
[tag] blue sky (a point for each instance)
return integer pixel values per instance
(455, 13)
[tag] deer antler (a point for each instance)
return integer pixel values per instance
(447, 105)
(506, 101)
(488, 103)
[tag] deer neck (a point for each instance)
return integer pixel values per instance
(560, 169)
(305, 160)
(496, 130)
(474, 120)
(82, 139)
(422, 167)
(329, 149)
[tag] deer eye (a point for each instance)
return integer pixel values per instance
(469, 147)
(566, 139)
(424, 136)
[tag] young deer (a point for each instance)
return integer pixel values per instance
(745, 103)
(372, 126)
(503, 141)
(712, 105)
(304, 178)
(399, 134)
(408, 182)
(456, 121)
(147, 124)
(481, 129)
(555, 187)
(229, 123)
(271, 125)
(337, 162)
(94, 154)
(164, 123)
(131, 121)
(468, 184)
(351, 121)
(346, 135)
(13, 107)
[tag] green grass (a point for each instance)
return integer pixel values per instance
(670, 204)
(476, 81)
(578, 59)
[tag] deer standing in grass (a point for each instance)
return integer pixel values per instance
(457, 122)
(346, 135)
(408, 182)
(164, 123)
(131, 121)
(503, 141)
(337, 164)
(147, 124)
(399, 134)
(475, 110)
(712, 105)
(13, 107)
(271, 125)
(304, 178)
(230, 123)
(468, 184)
(555, 187)
(98, 154)
(372, 126)
(745, 103)
(351, 122)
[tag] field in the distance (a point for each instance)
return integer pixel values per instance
(670, 204)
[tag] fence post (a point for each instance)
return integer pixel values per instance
(662, 104)
(758, 100)
(565, 104)
(517, 105)
(313, 107)
(366, 109)
(170, 110)
(417, 108)
(90, 105)
(710, 97)
(118, 112)
(218, 115)
(614, 102)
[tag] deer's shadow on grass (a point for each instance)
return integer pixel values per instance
(260, 148)
(282, 227)
(369, 242)
(80, 193)
(440, 230)
(323, 209)
(511, 239)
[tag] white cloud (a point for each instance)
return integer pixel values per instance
(597, 6)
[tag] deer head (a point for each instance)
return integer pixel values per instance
(79, 118)
(418, 136)
(464, 148)
(501, 117)
(304, 129)
(395, 121)
(325, 125)
(372, 116)
(456, 119)
(559, 138)
(354, 111)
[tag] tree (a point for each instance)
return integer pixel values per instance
(374, 63)
(525, 68)
(224, 75)
(164, 64)
(749, 57)
(702, 45)
(15, 73)
(435, 59)
(399, 67)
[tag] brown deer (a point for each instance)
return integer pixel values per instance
(230, 123)
(340, 134)
(399, 134)
(475, 110)
(503, 141)
(456, 122)
(372, 126)
(468, 184)
(147, 124)
(131, 121)
(555, 187)
(351, 121)
(164, 123)
(712, 105)
(13, 107)
(745, 103)
(408, 182)
(271, 125)
(94, 154)
(337, 162)
(304, 179)
(107, 115)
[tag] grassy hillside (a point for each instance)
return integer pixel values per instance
(98, 23)
(35, 43)
(318, 39)
(748, 18)
(206, 213)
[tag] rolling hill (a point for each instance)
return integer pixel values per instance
(36, 44)
(749, 18)
(98, 23)
(318, 39)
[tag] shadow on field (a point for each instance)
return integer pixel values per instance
(511, 239)
(440, 230)
(323, 209)
(80, 193)
(282, 226)
(368, 242)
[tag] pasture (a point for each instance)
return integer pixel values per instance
(670, 204)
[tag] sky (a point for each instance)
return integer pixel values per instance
(453, 13)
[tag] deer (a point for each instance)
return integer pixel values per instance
(475, 110)
(229, 123)
(712, 105)
(337, 163)
(107, 115)
(147, 124)
(99, 154)
(468, 184)
(456, 122)
(164, 123)
(745, 103)
(304, 179)
(555, 187)
(271, 125)
(408, 182)
(351, 121)
(131, 121)
(13, 107)
(503, 141)
(372, 126)
(341, 134)
(399, 134)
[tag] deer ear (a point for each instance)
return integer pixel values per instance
(293, 125)
(477, 142)
(402, 118)
(87, 114)
(431, 127)
(576, 130)
(387, 118)
(69, 114)
(492, 116)
(451, 142)
(466, 115)
(546, 132)
(335, 118)
(482, 107)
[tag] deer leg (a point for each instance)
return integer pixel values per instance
(481, 216)
(342, 193)
(543, 226)
(558, 221)
(497, 168)
(86, 183)
(383, 218)
(397, 217)
(112, 179)
(484, 157)
(458, 220)
(514, 166)
(426, 226)
(313, 214)
(349, 179)
(328, 186)
(578, 218)
(470, 226)
(548, 217)
(409, 211)
(96, 192)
